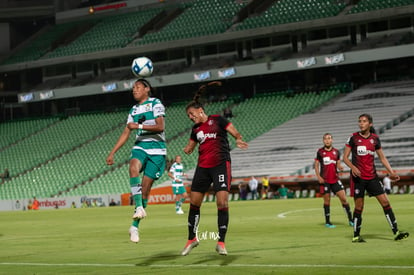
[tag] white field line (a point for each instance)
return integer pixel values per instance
(283, 215)
(212, 265)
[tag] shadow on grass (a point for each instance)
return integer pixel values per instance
(374, 237)
(223, 260)
(159, 258)
(163, 258)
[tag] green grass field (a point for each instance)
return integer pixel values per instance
(283, 236)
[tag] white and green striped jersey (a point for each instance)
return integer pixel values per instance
(153, 143)
(177, 169)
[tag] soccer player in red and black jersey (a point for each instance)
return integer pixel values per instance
(363, 145)
(210, 132)
(327, 164)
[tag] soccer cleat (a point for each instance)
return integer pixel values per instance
(221, 249)
(351, 223)
(189, 246)
(133, 234)
(358, 239)
(179, 211)
(399, 235)
(330, 225)
(139, 213)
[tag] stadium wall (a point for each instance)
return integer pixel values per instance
(302, 186)
(53, 203)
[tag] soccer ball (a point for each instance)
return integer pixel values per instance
(142, 67)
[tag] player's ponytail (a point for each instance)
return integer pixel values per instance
(370, 120)
(196, 102)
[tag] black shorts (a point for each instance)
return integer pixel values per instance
(219, 175)
(332, 187)
(373, 187)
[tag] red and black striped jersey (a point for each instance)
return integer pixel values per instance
(328, 160)
(211, 135)
(363, 153)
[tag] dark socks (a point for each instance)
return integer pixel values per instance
(357, 222)
(222, 222)
(389, 215)
(347, 210)
(193, 220)
(327, 211)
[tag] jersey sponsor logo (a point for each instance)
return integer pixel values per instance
(362, 151)
(201, 137)
(328, 160)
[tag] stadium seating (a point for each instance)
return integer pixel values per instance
(67, 157)
(370, 5)
(111, 33)
(193, 22)
(291, 147)
(12, 132)
(288, 11)
(398, 142)
(118, 31)
(55, 140)
(41, 44)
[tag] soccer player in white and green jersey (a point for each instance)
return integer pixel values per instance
(176, 173)
(149, 150)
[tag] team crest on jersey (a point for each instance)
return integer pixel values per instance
(372, 141)
(210, 122)
(147, 107)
